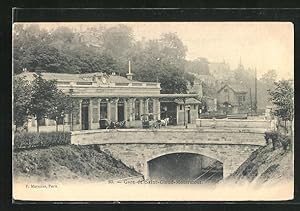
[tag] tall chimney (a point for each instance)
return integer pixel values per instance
(129, 74)
(255, 92)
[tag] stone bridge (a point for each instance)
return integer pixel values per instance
(136, 147)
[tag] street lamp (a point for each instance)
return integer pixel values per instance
(71, 125)
(63, 120)
(200, 112)
(184, 122)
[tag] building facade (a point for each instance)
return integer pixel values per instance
(99, 96)
(232, 99)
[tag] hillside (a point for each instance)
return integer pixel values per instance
(69, 162)
(265, 166)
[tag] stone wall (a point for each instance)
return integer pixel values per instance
(164, 135)
(234, 123)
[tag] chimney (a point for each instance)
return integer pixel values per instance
(129, 74)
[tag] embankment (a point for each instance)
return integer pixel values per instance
(68, 162)
(265, 166)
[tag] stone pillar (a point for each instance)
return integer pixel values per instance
(80, 110)
(108, 110)
(132, 109)
(146, 106)
(46, 122)
(90, 113)
(156, 108)
(129, 103)
(177, 114)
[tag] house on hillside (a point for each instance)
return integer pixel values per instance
(232, 98)
(220, 71)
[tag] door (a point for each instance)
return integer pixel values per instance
(189, 116)
(120, 111)
(85, 115)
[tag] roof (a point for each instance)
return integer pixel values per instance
(237, 88)
(140, 95)
(188, 101)
(86, 77)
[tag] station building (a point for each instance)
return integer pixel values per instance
(116, 98)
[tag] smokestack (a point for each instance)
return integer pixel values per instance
(255, 92)
(129, 74)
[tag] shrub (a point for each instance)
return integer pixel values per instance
(278, 139)
(23, 140)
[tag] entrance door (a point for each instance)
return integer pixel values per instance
(85, 115)
(189, 116)
(120, 111)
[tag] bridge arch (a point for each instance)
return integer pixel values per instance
(185, 165)
(137, 155)
(186, 151)
(192, 150)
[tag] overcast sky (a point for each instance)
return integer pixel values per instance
(260, 45)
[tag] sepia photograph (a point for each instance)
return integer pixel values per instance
(153, 111)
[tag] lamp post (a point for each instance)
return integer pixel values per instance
(63, 120)
(200, 111)
(184, 123)
(71, 123)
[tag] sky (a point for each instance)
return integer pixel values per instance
(260, 45)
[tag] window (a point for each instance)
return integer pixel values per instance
(180, 107)
(103, 110)
(240, 98)
(226, 90)
(244, 98)
(150, 106)
(194, 107)
(137, 110)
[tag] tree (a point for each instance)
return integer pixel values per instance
(21, 99)
(269, 77)
(61, 106)
(198, 66)
(117, 40)
(43, 93)
(162, 60)
(63, 51)
(282, 96)
(189, 77)
(265, 83)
